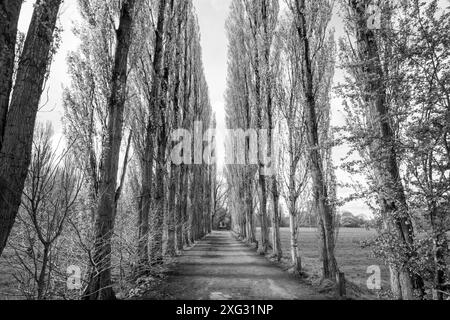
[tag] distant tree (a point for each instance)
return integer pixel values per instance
(348, 220)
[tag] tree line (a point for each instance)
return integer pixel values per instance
(281, 64)
(111, 204)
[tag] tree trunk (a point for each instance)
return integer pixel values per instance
(184, 206)
(293, 223)
(18, 137)
(9, 13)
(326, 272)
(171, 221)
(160, 197)
(212, 207)
(295, 255)
(179, 214)
(145, 204)
(42, 273)
(100, 284)
(277, 251)
(192, 217)
(249, 209)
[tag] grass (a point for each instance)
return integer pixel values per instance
(8, 285)
(352, 259)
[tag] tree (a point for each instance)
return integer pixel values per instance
(257, 16)
(99, 287)
(174, 216)
(50, 199)
(312, 33)
(15, 154)
(270, 11)
(154, 100)
(426, 134)
(241, 111)
(294, 167)
(376, 117)
(8, 34)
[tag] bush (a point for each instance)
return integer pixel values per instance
(348, 220)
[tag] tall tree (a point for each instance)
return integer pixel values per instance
(9, 13)
(311, 20)
(254, 11)
(295, 165)
(158, 120)
(427, 86)
(16, 148)
(100, 283)
(370, 62)
(270, 11)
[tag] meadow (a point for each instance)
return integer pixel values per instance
(352, 258)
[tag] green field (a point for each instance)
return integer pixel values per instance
(353, 260)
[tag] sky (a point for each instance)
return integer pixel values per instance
(212, 15)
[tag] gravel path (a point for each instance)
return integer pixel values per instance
(222, 268)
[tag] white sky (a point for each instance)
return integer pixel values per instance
(212, 15)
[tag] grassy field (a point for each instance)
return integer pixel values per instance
(8, 286)
(353, 260)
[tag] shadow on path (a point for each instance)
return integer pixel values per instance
(221, 268)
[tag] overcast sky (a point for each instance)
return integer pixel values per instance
(212, 15)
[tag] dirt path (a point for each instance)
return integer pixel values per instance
(222, 268)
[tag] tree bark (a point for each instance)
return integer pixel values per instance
(157, 222)
(17, 140)
(293, 196)
(9, 18)
(42, 273)
(172, 221)
(277, 251)
(180, 231)
(100, 284)
(295, 256)
(145, 203)
(249, 209)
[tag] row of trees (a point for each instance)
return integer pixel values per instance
(397, 105)
(280, 69)
(280, 74)
(111, 206)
